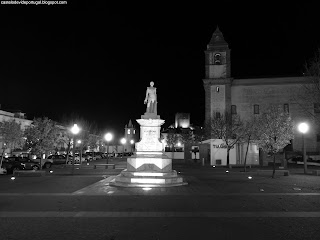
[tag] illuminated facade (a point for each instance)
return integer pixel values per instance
(248, 97)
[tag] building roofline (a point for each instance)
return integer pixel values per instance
(270, 81)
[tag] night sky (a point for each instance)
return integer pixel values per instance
(96, 61)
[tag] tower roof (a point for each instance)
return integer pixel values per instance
(217, 40)
(130, 124)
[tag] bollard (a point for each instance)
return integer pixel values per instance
(202, 161)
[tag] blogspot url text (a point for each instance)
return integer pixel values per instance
(16, 2)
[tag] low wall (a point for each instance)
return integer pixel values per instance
(175, 155)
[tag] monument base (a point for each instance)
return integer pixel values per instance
(148, 171)
(149, 166)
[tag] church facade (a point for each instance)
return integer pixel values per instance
(248, 97)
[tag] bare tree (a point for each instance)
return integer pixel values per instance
(229, 128)
(85, 135)
(11, 134)
(186, 137)
(250, 132)
(172, 138)
(276, 131)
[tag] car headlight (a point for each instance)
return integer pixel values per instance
(23, 164)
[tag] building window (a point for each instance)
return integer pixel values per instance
(134, 131)
(256, 109)
(129, 131)
(286, 107)
(316, 107)
(218, 115)
(217, 59)
(233, 109)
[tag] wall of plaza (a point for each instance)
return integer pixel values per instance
(284, 92)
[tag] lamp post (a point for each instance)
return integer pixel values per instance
(80, 151)
(132, 143)
(123, 142)
(303, 128)
(75, 130)
(108, 137)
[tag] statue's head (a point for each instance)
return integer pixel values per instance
(151, 84)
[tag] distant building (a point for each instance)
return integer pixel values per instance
(180, 150)
(17, 116)
(247, 97)
(182, 120)
(130, 137)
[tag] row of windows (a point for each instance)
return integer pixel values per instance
(256, 109)
(129, 132)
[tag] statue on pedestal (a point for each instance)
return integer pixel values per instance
(151, 99)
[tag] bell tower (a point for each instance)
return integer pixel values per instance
(129, 135)
(217, 82)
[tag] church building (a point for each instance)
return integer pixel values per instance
(248, 97)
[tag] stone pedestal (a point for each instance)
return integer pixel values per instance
(149, 166)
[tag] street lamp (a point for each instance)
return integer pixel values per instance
(80, 150)
(123, 142)
(74, 130)
(132, 143)
(108, 137)
(303, 128)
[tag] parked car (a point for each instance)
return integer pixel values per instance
(82, 157)
(70, 159)
(29, 164)
(90, 156)
(10, 164)
(56, 159)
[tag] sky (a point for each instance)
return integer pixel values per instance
(96, 61)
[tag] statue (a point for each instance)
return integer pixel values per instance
(151, 99)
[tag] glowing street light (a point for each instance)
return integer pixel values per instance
(74, 130)
(304, 128)
(108, 137)
(123, 142)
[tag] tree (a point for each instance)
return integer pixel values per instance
(250, 132)
(172, 138)
(11, 134)
(87, 128)
(276, 131)
(41, 136)
(186, 137)
(202, 133)
(88, 135)
(229, 128)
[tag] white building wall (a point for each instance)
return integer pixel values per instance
(218, 151)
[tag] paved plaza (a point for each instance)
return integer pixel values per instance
(214, 205)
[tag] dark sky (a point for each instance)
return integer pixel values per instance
(96, 61)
